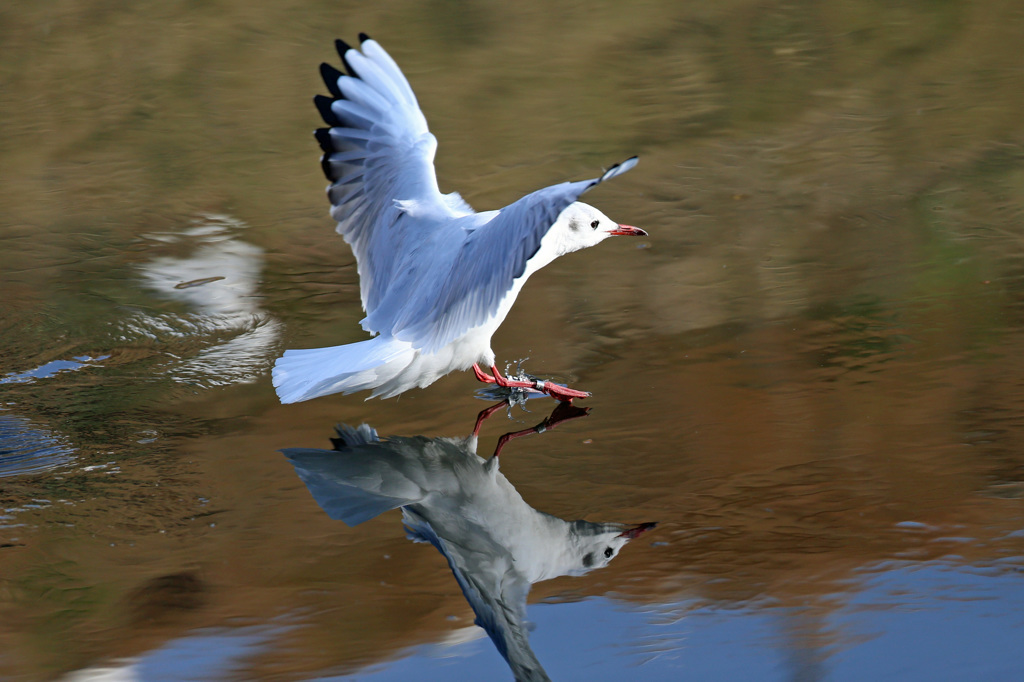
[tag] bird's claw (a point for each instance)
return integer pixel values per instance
(556, 391)
(564, 393)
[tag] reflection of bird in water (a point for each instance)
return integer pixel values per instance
(436, 278)
(496, 544)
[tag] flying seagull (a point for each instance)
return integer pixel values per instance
(436, 278)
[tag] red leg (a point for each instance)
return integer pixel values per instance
(509, 383)
(484, 414)
(564, 393)
(562, 413)
(509, 436)
(557, 392)
(482, 375)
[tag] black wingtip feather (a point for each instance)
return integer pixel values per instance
(331, 76)
(363, 38)
(323, 105)
(342, 47)
(323, 138)
(325, 165)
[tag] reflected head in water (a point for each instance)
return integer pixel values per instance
(436, 277)
(496, 544)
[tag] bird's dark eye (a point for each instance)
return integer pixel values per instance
(595, 224)
(608, 552)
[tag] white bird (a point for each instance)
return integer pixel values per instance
(496, 544)
(436, 278)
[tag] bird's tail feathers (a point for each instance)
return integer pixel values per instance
(354, 436)
(353, 488)
(310, 373)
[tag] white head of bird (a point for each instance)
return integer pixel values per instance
(594, 545)
(581, 226)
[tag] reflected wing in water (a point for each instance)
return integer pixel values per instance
(494, 589)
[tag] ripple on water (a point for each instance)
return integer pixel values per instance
(27, 448)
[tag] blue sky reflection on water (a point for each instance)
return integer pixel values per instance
(928, 621)
(935, 621)
(50, 369)
(199, 656)
(913, 622)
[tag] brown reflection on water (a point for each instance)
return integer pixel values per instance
(812, 369)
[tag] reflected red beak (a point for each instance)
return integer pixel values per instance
(629, 231)
(636, 531)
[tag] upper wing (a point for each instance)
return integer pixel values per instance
(489, 261)
(379, 157)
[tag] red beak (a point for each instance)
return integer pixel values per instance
(629, 231)
(636, 531)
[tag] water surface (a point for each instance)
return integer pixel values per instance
(809, 374)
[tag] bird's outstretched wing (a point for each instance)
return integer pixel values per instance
(489, 261)
(379, 157)
(495, 589)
